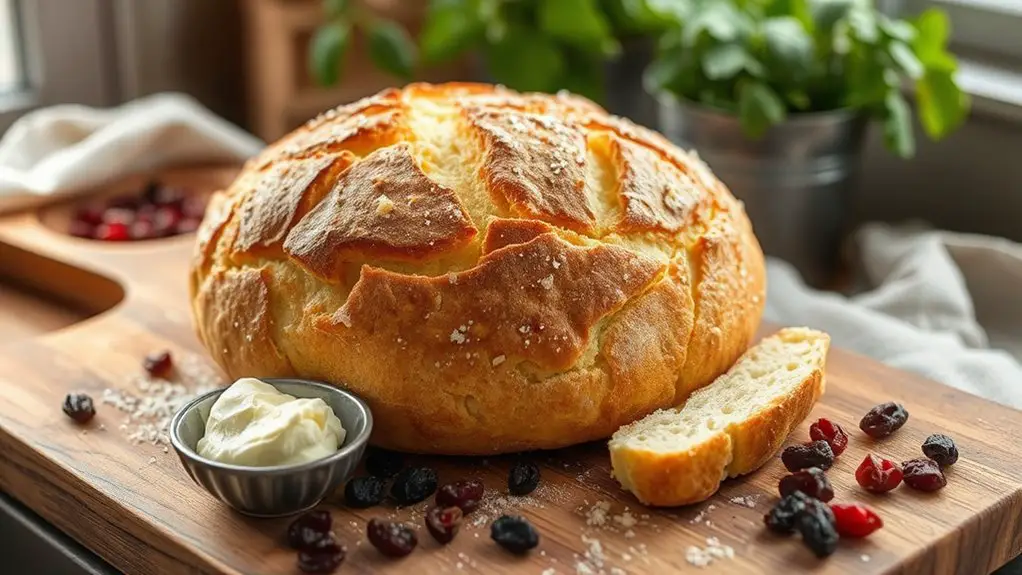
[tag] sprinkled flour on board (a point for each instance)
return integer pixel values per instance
(703, 556)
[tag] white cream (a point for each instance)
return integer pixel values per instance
(253, 424)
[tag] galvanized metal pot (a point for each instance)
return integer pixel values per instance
(796, 181)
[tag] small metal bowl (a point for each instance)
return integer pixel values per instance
(280, 490)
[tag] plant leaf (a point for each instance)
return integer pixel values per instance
(335, 8)
(790, 50)
(717, 19)
(449, 28)
(759, 107)
(645, 16)
(863, 23)
(826, 13)
(942, 104)
(797, 9)
(391, 49)
(898, 134)
(906, 59)
(724, 61)
(524, 59)
(576, 21)
(326, 52)
(896, 29)
(930, 44)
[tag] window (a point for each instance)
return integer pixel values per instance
(10, 60)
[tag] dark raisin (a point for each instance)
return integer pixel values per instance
(941, 449)
(363, 492)
(78, 407)
(883, 420)
(877, 474)
(324, 556)
(309, 528)
(803, 456)
(384, 463)
(514, 533)
(817, 525)
(830, 432)
(523, 478)
(855, 520)
(413, 485)
(465, 495)
(781, 517)
(158, 364)
(443, 523)
(392, 539)
(923, 474)
(813, 482)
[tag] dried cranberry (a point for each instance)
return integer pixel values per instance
(812, 481)
(465, 495)
(813, 454)
(830, 432)
(89, 214)
(162, 195)
(141, 230)
(79, 407)
(363, 492)
(165, 220)
(923, 474)
(383, 462)
(523, 478)
(187, 226)
(855, 519)
(443, 523)
(118, 216)
(877, 474)
(817, 525)
(781, 517)
(413, 485)
(323, 556)
(392, 539)
(122, 203)
(158, 364)
(306, 530)
(514, 533)
(81, 229)
(941, 449)
(113, 232)
(883, 420)
(193, 206)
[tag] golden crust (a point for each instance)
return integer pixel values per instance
(584, 247)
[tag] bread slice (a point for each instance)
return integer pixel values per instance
(729, 428)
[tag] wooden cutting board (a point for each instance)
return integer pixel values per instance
(134, 505)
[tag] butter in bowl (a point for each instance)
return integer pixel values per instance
(272, 447)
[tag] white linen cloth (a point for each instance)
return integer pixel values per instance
(62, 150)
(941, 304)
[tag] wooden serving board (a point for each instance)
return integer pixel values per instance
(134, 505)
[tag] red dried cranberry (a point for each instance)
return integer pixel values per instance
(323, 556)
(122, 203)
(187, 226)
(877, 474)
(81, 229)
(883, 420)
(113, 232)
(830, 432)
(392, 539)
(165, 220)
(443, 523)
(194, 206)
(523, 478)
(923, 474)
(141, 230)
(158, 364)
(89, 214)
(855, 519)
(79, 407)
(118, 215)
(462, 494)
(814, 454)
(813, 482)
(941, 449)
(309, 528)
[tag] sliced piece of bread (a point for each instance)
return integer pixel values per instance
(728, 428)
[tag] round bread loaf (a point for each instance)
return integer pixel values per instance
(491, 271)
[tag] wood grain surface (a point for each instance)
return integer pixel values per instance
(134, 505)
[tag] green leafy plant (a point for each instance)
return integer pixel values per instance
(764, 60)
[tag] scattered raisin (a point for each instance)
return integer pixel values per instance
(816, 524)
(923, 474)
(514, 533)
(158, 364)
(855, 520)
(413, 485)
(812, 481)
(877, 474)
(78, 406)
(465, 495)
(363, 492)
(324, 556)
(813, 454)
(384, 463)
(523, 478)
(941, 449)
(883, 420)
(309, 528)
(392, 539)
(830, 432)
(443, 523)
(781, 518)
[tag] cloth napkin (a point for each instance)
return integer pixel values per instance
(62, 150)
(945, 305)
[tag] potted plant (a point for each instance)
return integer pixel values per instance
(776, 94)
